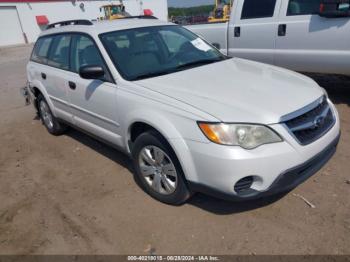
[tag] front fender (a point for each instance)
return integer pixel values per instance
(172, 133)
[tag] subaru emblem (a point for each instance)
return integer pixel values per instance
(318, 121)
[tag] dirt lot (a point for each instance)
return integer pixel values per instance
(74, 195)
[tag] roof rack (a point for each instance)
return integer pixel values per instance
(70, 22)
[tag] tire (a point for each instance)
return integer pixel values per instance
(161, 177)
(51, 123)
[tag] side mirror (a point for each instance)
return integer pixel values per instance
(91, 72)
(334, 8)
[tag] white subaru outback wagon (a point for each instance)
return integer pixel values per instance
(192, 119)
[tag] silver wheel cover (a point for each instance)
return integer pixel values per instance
(158, 170)
(46, 114)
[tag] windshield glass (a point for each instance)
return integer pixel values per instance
(152, 51)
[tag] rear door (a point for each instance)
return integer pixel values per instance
(253, 29)
(56, 74)
(312, 43)
(93, 102)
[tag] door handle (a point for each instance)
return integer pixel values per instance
(72, 85)
(43, 76)
(282, 30)
(237, 31)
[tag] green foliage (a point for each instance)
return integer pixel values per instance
(190, 11)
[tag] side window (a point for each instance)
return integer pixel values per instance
(303, 7)
(41, 50)
(59, 53)
(86, 53)
(258, 9)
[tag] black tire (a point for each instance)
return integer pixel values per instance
(56, 128)
(152, 138)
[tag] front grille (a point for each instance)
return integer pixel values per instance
(299, 174)
(313, 124)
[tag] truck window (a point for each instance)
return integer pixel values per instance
(303, 7)
(59, 54)
(41, 50)
(258, 9)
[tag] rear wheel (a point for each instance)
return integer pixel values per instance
(48, 119)
(158, 169)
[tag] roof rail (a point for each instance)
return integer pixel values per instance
(70, 22)
(140, 17)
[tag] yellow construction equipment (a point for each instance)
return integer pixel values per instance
(113, 11)
(221, 11)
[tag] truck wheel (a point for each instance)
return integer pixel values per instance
(158, 170)
(48, 119)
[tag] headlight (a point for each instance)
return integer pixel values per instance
(244, 135)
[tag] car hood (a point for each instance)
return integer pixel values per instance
(238, 90)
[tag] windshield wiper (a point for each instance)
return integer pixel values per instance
(151, 74)
(198, 63)
(178, 68)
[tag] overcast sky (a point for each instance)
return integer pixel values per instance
(188, 3)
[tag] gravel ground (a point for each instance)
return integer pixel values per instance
(74, 195)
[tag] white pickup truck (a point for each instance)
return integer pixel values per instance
(302, 35)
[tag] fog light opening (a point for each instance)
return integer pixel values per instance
(244, 184)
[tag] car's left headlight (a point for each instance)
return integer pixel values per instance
(248, 136)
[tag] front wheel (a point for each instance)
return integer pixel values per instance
(158, 169)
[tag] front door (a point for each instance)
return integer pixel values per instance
(93, 102)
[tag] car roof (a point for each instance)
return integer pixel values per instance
(100, 27)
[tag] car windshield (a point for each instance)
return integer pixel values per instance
(141, 53)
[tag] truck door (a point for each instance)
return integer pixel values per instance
(308, 42)
(252, 29)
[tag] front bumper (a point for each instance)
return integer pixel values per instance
(283, 183)
(216, 169)
(29, 96)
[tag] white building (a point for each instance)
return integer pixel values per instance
(22, 20)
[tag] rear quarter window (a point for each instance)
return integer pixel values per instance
(41, 50)
(303, 7)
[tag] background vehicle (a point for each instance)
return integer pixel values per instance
(302, 35)
(221, 12)
(113, 11)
